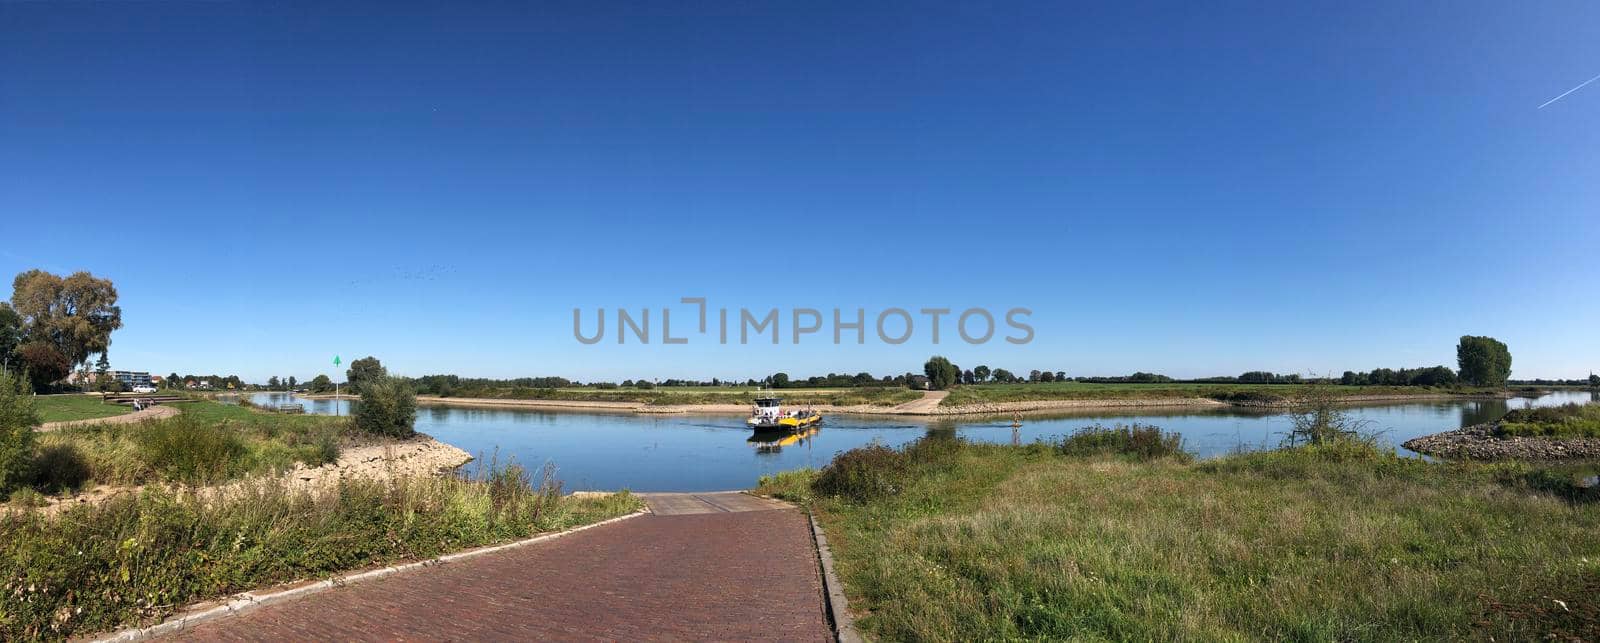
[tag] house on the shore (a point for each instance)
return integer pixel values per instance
(918, 382)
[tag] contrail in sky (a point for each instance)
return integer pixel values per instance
(1569, 91)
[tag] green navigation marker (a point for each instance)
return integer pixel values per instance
(335, 360)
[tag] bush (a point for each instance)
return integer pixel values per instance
(1141, 441)
(17, 421)
(864, 474)
(186, 450)
(388, 407)
(60, 467)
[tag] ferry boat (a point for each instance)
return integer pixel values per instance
(768, 415)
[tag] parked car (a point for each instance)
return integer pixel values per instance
(144, 389)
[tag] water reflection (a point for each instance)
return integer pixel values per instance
(715, 452)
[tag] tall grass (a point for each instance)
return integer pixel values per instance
(1566, 421)
(1337, 541)
(139, 558)
(203, 445)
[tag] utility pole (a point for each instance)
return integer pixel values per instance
(336, 411)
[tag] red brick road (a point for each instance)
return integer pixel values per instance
(744, 575)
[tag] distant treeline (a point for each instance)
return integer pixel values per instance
(1426, 376)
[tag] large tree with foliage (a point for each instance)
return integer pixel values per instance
(1484, 361)
(45, 364)
(75, 315)
(363, 370)
(941, 373)
(320, 384)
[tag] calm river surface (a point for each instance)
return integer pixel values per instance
(713, 452)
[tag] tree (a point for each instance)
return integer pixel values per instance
(321, 384)
(17, 422)
(1003, 375)
(10, 335)
(75, 315)
(272, 382)
(291, 382)
(940, 372)
(1594, 380)
(1061, 376)
(388, 407)
(780, 380)
(103, 381)
(1484, 361)
(365, 369)
(981, 372)
(45, 364)
(1047, 376)
(173, 381)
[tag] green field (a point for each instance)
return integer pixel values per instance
(72, 407)
(968, 542)
(1265, 393)
(876, 396)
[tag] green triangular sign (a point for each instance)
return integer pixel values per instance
(335, 360)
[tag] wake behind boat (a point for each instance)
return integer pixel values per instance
(768, 415)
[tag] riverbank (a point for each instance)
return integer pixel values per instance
(914, 408)
(948, 540)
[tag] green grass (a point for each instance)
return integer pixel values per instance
(1330, 543)
(137, 559)
(1567, 421)
(697, 395)
(208, 442)
(1263, 393)
(73, 407)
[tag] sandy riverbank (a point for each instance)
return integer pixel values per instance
(418, 456)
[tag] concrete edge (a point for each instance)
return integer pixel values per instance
(241, 603)
(844, 625)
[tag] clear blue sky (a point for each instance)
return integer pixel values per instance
(1192, 190)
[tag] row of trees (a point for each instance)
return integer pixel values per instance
(53, 324)
(1427, 376)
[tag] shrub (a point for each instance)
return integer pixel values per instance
(59, 467)
(388, 407)
(1141, 441)
(17, 421)
(186, 450)
(864, 473)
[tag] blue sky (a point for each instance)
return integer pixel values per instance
(1192, 190)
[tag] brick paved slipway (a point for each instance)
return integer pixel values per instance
(703, 566)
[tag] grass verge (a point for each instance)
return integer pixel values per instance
(137, 559)
(1087, 538)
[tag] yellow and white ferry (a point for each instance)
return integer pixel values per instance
(768, 415)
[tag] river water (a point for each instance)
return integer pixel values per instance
(715, 452)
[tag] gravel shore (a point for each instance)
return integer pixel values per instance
(1478, 442)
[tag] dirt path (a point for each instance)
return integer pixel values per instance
(930, 400)
(152, 413)
(720, 567)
